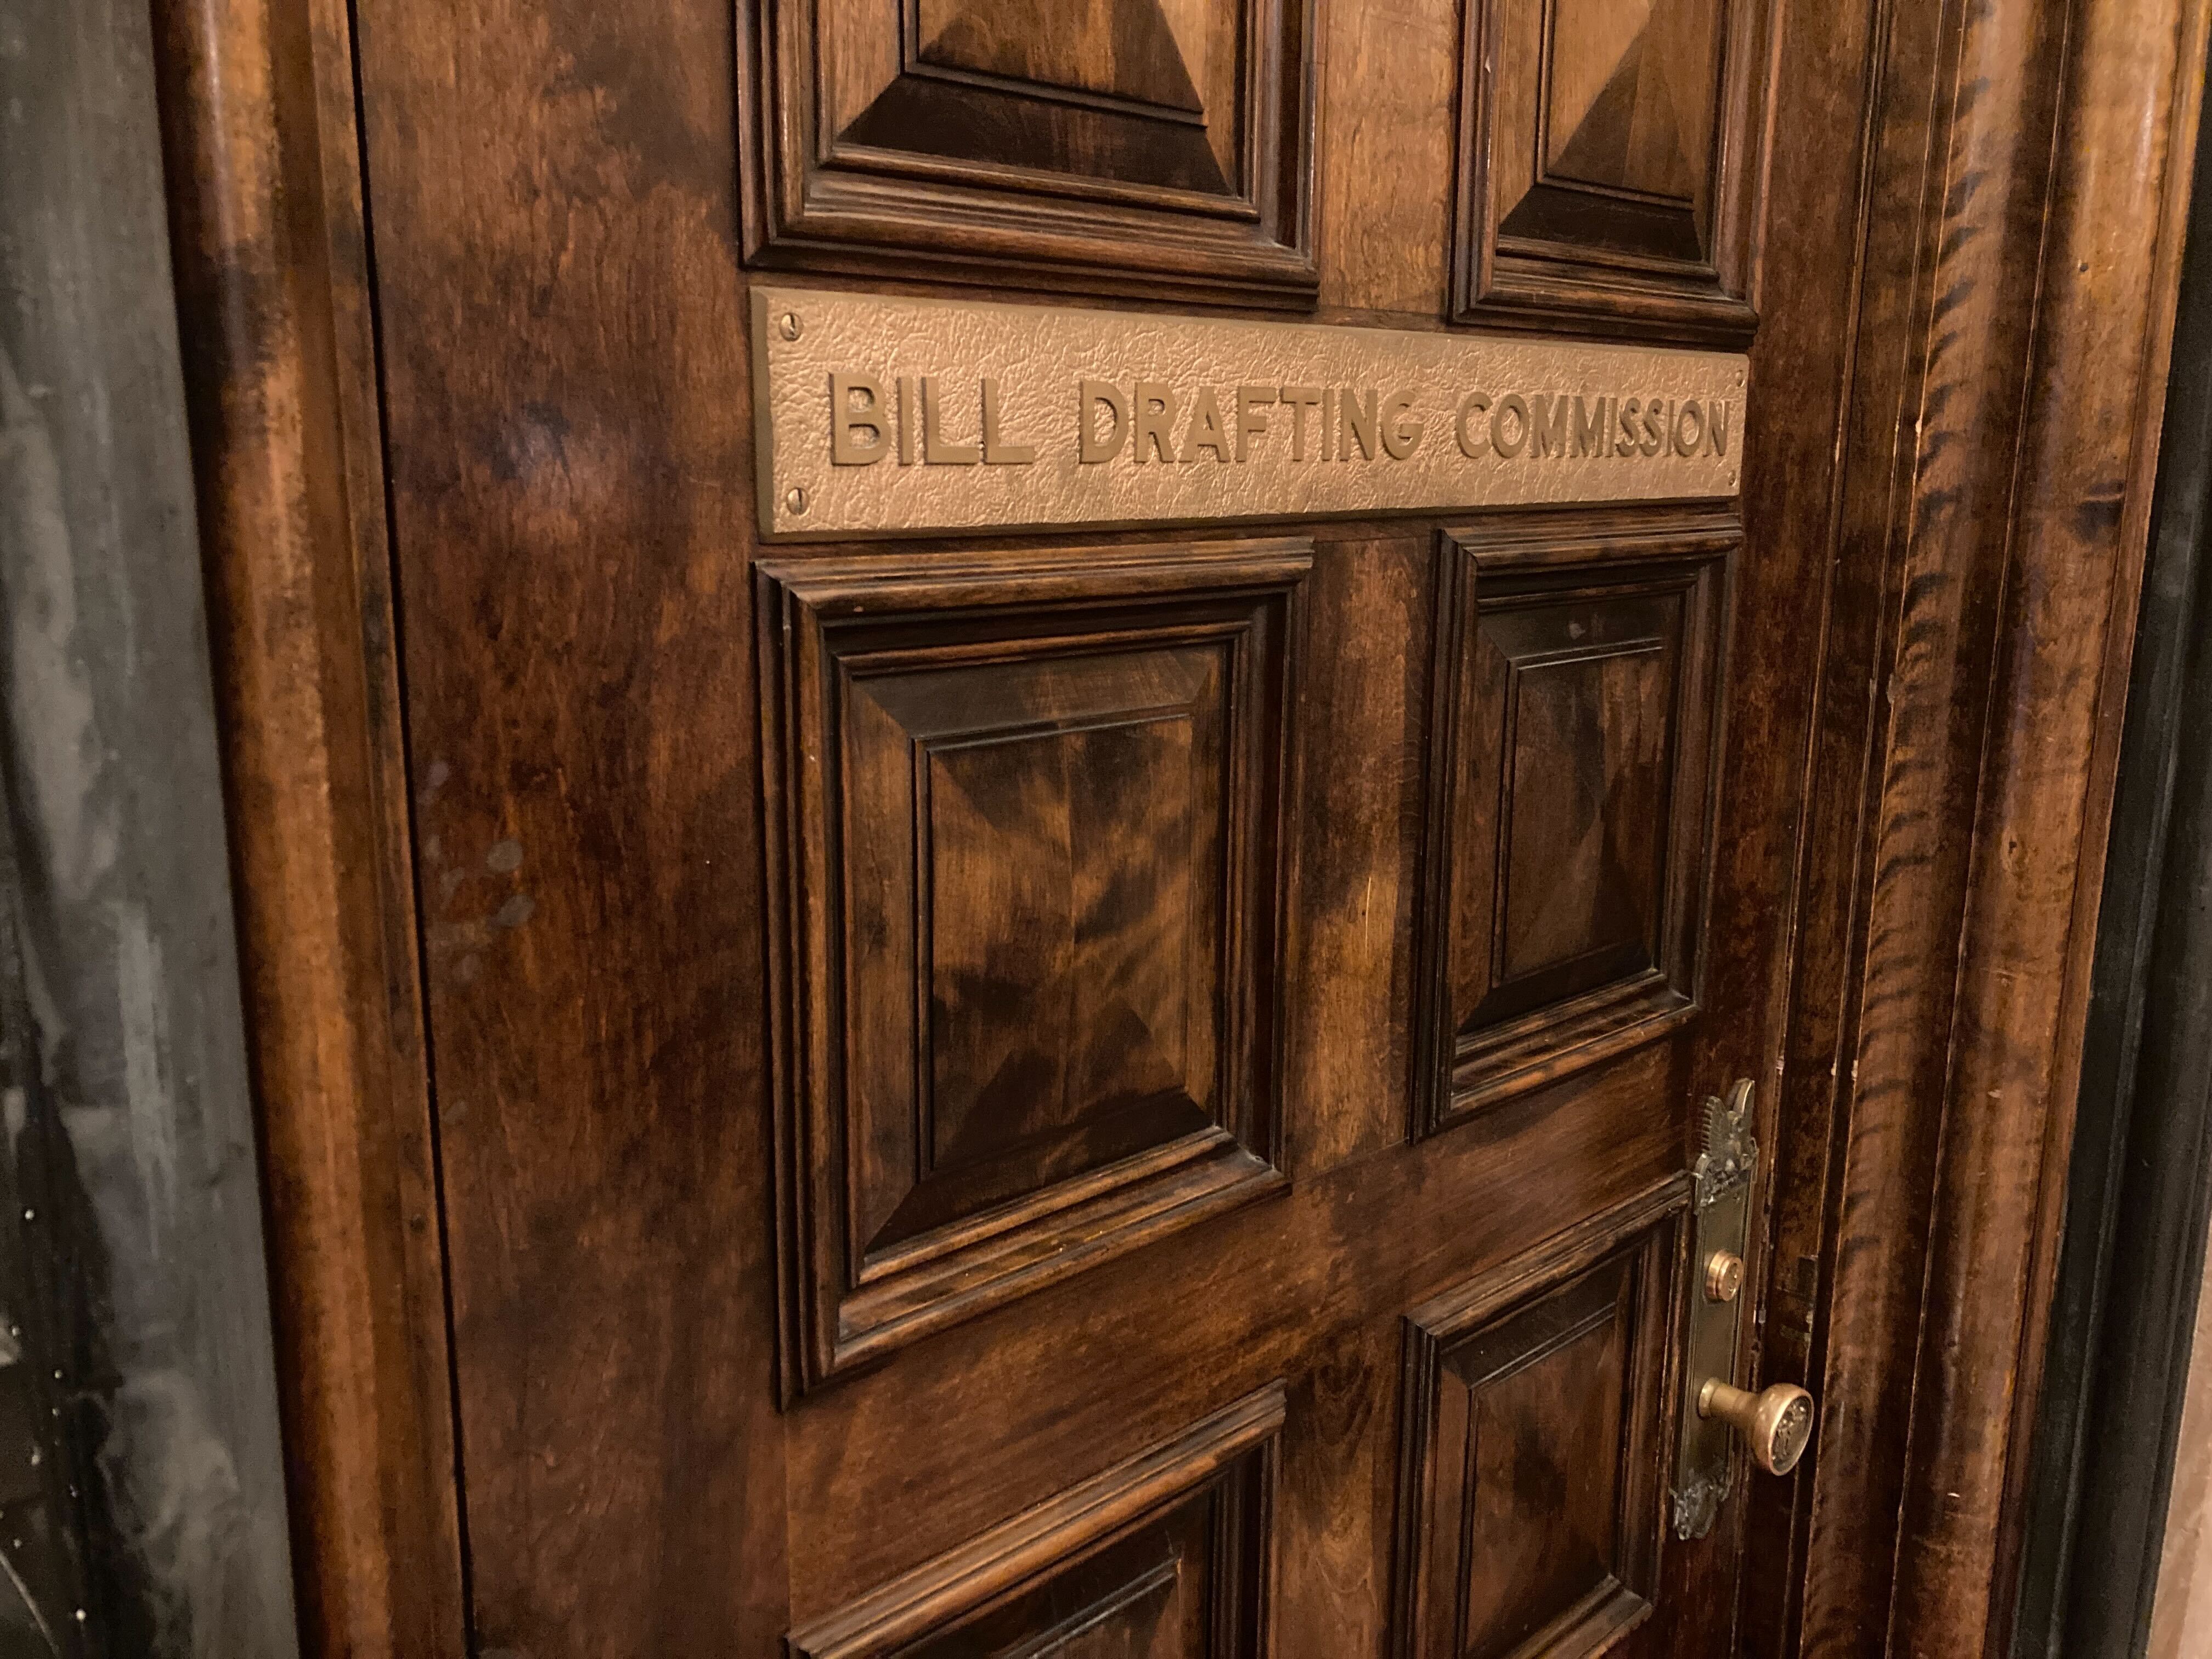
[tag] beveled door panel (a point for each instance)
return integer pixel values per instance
(1530, 1518)
(1083, 142)
(1608, 165)
(1576, 733)
(1031, 864)
(1168, 1555)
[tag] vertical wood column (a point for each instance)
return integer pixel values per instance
(2113, 234)
(257, 108)
(2011, 346)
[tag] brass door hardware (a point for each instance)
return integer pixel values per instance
(1775, 1425)
(1723, 1276)
(1776, 1422)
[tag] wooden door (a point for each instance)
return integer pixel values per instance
(1211, 1178)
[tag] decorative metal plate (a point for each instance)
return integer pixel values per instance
(1704, 1466)
(882, 417)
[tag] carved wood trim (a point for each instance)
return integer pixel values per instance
(1644, 1236)
(2138, 1189)
(1231, 1457)
(2020, 263)
(2064, 636)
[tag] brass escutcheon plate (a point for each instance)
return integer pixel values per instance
(1704, 1457)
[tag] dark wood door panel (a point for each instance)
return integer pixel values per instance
(996, 1415)
(1575, 740)
(1531, 1439)
(1168, 1554)
(1063, 143)
(1609, 166)
(1030, 860)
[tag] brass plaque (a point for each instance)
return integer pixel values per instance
(882, 417)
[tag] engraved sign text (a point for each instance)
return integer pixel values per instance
(904, 416)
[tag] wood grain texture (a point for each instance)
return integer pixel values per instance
(1612, 161)
(1819, 200)
(553, 199)
(1365, 704)
(1530, 1496)
(1029, 862)
(1168, 1555)
(1312, 1288)
(563, 199)
(565, 392)
(1938, 579)
(1088, 146)
(1389, 72)
(1933, 523)
(1575, 742)
(1839, 1514)
(266, 221)
(1631, 97)
(2114, 232)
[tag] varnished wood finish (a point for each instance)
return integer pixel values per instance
(1576, 736)
(1165, 1555)
(1028, 862)
(1967, 779)
(1610, 162)
(1081, 142)
(1780, 808)
(1529, 1516)
(570, 469)
(2110, 1451)
(2081, 516)
(266, 230)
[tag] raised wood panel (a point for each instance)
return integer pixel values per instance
(1574, 732)
(1532, 1446)
(1168, 1555)
(1608, 166)
(1029, 867)
(1070, 143)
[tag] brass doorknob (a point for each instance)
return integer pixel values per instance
(1776, 1422)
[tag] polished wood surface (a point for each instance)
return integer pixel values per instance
(1129, 1091)
(1047, 1196)
(1096, 146)
(2088, 457)
(1527, 1523)
(1927, 1113)
(267, 235)
(1168, 1553)
(1611, 161)
(1028, 851)
(1575, 728)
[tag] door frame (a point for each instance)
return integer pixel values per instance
(2140, 1179)
(2012, 344)
(2015, 294)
